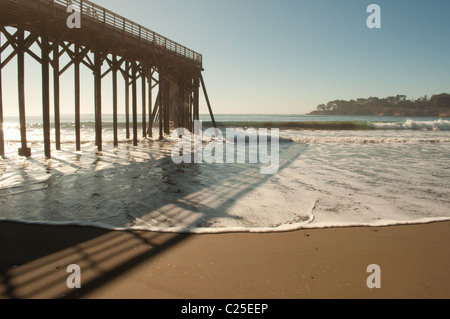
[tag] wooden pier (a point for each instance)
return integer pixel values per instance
(104, 43)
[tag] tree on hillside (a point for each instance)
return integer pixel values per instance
(395, 104)
(440, 101)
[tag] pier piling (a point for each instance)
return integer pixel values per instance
(131, 49)
(2, 136)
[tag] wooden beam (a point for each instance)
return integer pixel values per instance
(98, 98)
(167, 107)
(24, 150)
(11, 39)
(144, 105)
(106, 72)
(56, 97)
(88, 62)
(134, 101)
(70, 53)
(188, 107)
(2, 137)
(161, 105)
(196, 108)
(207, 101)
(153, 115)
(77, 61)
(191, 111)
(180, 117)
(114, 80)
(84, 54)
(45, 50)
(8, 59)
(126, 76)
(150, 102)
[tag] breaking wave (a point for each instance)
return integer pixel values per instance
(439, 125)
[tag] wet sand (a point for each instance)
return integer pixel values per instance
(319, 263)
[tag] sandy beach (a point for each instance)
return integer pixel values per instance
(317, 263)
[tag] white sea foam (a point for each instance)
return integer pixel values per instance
(366, 140)
(318, 185)
(410, 124)
(326, 179)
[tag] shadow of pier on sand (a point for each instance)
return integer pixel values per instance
(35, 256)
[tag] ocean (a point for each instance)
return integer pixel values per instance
(334, 171)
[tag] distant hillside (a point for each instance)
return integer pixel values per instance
(437, 105)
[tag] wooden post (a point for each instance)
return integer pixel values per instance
(188, 97)
(179, 122)
(127, 98)
(2, 137)
(191, 108)
(144, 105)
(188, 107)
(56, 97)
(150, 102)
(77, 97)
(207, 101)
(196, 108)
(45, 50)
(134, 101)
(180, 104)
(167, 107)
(114, 79)
(24, 150)
(98, 98)
(153, 116)
(161, 105)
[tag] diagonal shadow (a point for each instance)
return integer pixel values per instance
(34, 257)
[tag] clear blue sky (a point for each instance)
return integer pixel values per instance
(288, 56)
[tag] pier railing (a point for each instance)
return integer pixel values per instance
(111, 19)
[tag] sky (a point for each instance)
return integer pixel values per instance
(284, 56)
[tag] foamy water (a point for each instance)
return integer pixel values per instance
(326, 179)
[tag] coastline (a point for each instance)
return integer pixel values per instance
(311, 263)
(388, 113)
